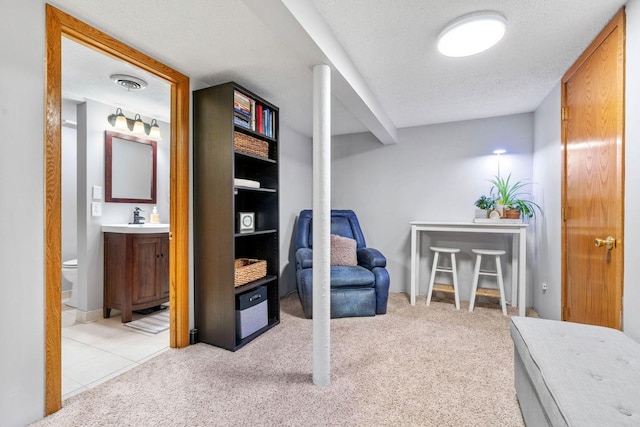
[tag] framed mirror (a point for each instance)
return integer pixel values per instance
(130, 169)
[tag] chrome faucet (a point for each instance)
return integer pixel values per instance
(137, 219)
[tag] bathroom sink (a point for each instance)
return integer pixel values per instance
(135, 228)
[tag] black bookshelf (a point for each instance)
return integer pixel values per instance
(217, 202)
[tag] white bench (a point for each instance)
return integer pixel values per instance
(569, 374)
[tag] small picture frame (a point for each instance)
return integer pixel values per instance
(246, 222)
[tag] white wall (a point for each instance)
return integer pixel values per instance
(69, 188)
(433, 173)
(547, 172)
(69, 203)
(295, 163)
(22, 78)
(631, 301)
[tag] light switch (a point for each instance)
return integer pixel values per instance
(96, 209)
(97, 192)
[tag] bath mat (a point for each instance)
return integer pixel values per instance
(153, 323)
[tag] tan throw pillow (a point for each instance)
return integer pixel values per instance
(343, 251)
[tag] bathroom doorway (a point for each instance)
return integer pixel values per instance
(58, 25)
(95, 349)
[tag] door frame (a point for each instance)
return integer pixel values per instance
(617, 21)
(58, 25)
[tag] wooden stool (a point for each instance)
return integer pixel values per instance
(487, 292)
(438, 287)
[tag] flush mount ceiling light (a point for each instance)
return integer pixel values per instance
(472, 33)
(128, 82)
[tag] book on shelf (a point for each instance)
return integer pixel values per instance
(239, 121)
(250, 114)
(253, 115)
(241, 182)
(242, 113)
(259, 125)
(241, 98)
(242, 117)
(267, 120)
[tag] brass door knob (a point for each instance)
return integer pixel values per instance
(609, 242)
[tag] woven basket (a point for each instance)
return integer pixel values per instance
(250, 145)
(248, 270)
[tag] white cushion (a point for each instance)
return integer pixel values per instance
(584, 375)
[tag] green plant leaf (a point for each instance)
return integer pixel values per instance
(511, 195)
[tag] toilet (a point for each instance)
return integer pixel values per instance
(70, 272)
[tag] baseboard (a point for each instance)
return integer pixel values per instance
(88, 316)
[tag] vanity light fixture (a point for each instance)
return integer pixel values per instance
(136, 126)
(472, 33)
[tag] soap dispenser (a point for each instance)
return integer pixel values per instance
(155, 217)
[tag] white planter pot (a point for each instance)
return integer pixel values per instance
(481, 213)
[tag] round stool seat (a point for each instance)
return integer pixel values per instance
(494, 252)
(445, 250)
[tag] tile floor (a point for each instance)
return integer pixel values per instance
(95, 352)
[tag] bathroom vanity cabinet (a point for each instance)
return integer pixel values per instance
(136, 272)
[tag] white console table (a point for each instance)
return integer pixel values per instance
(518, 256)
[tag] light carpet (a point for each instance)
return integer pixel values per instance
(152, 323)
(415, 366)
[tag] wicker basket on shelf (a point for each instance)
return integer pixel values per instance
(250, 145)
(247, 270)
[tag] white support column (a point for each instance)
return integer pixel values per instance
(321, 224)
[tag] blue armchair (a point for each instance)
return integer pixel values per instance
(360, 290)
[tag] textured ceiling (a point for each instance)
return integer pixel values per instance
(86, 72)
(390, 42)
(393, 44)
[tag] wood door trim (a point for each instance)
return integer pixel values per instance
(59, 24)
(617, 22)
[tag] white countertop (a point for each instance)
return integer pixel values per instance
(135, 228)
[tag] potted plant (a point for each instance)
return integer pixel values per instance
(513, 199)
(484, 205)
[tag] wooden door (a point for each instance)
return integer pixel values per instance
(593, 181)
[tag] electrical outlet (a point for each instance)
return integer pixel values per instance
(96, 209)
(544, 286)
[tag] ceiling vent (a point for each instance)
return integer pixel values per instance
(128, 82)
